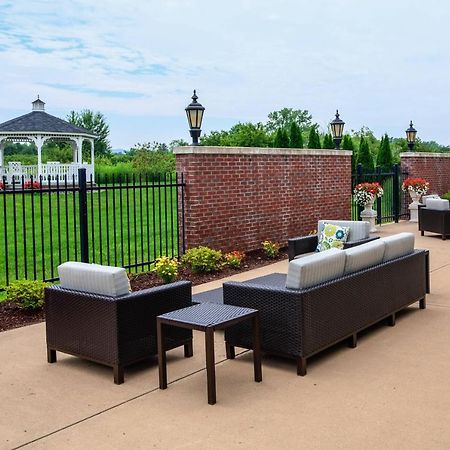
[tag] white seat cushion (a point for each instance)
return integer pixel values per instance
(364, 255)
(398, 245)
(358, 229)
(437, 203)
(94, 278)
(316, 268)
(302, 255)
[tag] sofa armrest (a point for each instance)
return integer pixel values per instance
(302, 244)
(360, 241)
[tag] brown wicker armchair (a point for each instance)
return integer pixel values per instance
(115, 331)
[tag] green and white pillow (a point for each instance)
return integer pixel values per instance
(332, 236)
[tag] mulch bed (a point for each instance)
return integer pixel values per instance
(11, 316)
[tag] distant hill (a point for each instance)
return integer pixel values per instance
(118, 150)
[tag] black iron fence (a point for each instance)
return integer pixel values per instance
(127, 222)
(393, 205)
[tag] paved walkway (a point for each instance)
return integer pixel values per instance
(391, 392)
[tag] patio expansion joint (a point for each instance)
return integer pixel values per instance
(110, 408)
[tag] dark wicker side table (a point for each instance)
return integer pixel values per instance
(208, 317)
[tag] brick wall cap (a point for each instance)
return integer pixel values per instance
(424, 155)
(201, 150)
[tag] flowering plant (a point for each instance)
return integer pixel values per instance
(31, 185)
(2, 186)
(418, 185)
(166, 268)
(271, 249)
(366, 192)
(234, 259)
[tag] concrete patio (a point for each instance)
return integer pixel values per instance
(392, 391)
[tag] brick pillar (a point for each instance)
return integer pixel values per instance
(434, 167)
(238, 197)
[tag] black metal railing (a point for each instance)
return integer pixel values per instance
(393, 205)
(127, 222)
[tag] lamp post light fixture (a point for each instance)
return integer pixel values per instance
(194, 112)
(337, 130)
(411, 136)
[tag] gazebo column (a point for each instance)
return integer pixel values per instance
(73, 145)
(2, 149)
(80, 150)
(38, 141)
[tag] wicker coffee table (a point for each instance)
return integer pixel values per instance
(208, 317)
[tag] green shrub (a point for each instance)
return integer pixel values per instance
(166, 268)
(447, 196)
(28, 294)
(271, 249)
(295, 136)
(202, 259)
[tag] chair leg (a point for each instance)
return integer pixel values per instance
(118, 374)
(231, 354)
(391, 320)
(422, 233)
(51, 355)
(422, 303)
(188, 349)
(353, 340)
(301, 366)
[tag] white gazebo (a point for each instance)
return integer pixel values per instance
(39, 127)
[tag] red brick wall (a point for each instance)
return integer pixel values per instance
(236, 198)
(434, 167)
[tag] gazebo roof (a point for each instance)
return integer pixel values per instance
(38, 121)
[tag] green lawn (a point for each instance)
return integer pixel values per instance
(125, 227)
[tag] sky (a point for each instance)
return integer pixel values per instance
(381, 63)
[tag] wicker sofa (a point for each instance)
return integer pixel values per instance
(434, 216)
(359, 234)
(298, 323)
(115, 330)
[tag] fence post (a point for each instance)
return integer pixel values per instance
(378, 172)
(396, 192)
(82, 189)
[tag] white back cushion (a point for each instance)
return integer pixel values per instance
(437, 203)
(364, 255)
(94, 278)
(315, 269)
(398, 245)
(426, 197)
(358, 230)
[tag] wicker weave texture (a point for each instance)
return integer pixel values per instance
(300, 323)
(435, 221)
(113, 331)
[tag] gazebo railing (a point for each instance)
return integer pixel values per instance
(52, 171)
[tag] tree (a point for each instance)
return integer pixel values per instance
(347, 143)
(281, 139)
(328, 141)
(295, 136)
(313, 139)
(240, 135)
(284, 117)
(365, 157)
(384, 157)
(95, 122)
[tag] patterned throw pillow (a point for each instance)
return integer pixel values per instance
(332, 236)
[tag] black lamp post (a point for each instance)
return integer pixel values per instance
(337, 130)
(411, 136)
(194, 112)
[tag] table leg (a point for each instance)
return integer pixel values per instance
(162, 365)
(210, 368)
(257, 348)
